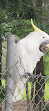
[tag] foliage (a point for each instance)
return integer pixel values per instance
(11, 10)
(20, 27)
(46, 64)
(27, 9)
(46, 108)
(2, 93)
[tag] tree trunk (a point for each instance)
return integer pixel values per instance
(40, 84)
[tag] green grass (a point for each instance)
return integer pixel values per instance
(46, 64)
(3, 82)
(46, 92)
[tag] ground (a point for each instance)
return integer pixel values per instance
(21, 106)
